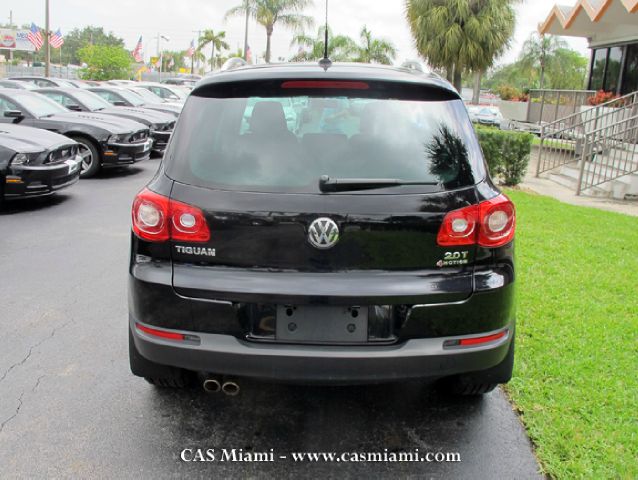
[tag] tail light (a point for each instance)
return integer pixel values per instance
(157, 219)
(489, 224)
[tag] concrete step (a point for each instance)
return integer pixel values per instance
(572, 184)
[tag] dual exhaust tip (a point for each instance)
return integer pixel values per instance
(214, 385)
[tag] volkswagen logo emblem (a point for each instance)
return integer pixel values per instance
(323, 233)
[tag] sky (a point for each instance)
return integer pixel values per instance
(181, 20)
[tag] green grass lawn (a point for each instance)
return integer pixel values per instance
(576, 373)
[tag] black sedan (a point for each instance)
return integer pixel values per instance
(104, 141)
(35, 162)
(123, 97)
(78, 100)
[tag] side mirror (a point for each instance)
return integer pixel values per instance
(15, 114)
(119, 103)
(74, 107)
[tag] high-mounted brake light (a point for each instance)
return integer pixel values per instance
(491, 223)
(157, 219)
(326, 84)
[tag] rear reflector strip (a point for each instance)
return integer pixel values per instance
(474, 341)
(326, 84)
(161, 333)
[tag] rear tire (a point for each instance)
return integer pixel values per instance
(484, 381)
(91, 162)
(162, 376)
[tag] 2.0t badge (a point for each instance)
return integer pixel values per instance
(323, 233)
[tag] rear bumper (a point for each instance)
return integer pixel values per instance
(227, 355)
(41, 180)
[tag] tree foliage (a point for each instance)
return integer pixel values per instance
(217, 41)
(374, 50)
(269, 13)
(551, 58)
(105, 62)
(461, 35)
(341, 48)
(76, 39)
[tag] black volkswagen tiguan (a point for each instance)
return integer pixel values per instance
(330, 224)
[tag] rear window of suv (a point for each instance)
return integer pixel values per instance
(273, 142)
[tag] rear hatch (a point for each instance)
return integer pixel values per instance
(251, 157)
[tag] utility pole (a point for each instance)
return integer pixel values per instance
(47, 47)
(10, 26)
(246, 32)
(199, 36)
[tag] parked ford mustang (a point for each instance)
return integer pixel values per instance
(124, 97)
(15, 84)
(43, 81)
(369, 245)
(169, 93)
(188, 81)
(104, 141)
(160, 124)
(35, 162)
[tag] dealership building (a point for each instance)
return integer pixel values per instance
(611, 27)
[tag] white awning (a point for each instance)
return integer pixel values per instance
(602, 21)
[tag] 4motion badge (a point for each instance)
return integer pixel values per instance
(452, 259)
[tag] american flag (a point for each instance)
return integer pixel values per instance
(56, 40)
(138, 54)
(35, 37)
(191, 50)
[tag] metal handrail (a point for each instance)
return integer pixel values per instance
(597, 107)
(569, 137)
(615, 154)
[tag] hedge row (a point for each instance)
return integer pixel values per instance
(506, 153)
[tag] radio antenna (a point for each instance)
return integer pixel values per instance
(325, 62)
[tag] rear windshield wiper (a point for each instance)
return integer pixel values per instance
(327, 184)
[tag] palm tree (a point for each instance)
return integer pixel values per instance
(217, 42)
(341, 48)
(461, 35)
(538, 51)
(268, 13)
(373, 50)
(246, 8)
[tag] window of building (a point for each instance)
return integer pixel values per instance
(614, 66)
(597, 76)
(630, 80)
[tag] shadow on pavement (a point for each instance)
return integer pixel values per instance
(24, 205)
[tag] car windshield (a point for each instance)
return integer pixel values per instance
(285, 144)
(92, 101)
(148, 96)
(40, 106)
(131, 97)
(179, 92)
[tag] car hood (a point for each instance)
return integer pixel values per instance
(30, 140)
(153, 116)
(98, 120)
(173, 107)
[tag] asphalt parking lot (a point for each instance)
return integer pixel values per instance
(69, 406)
